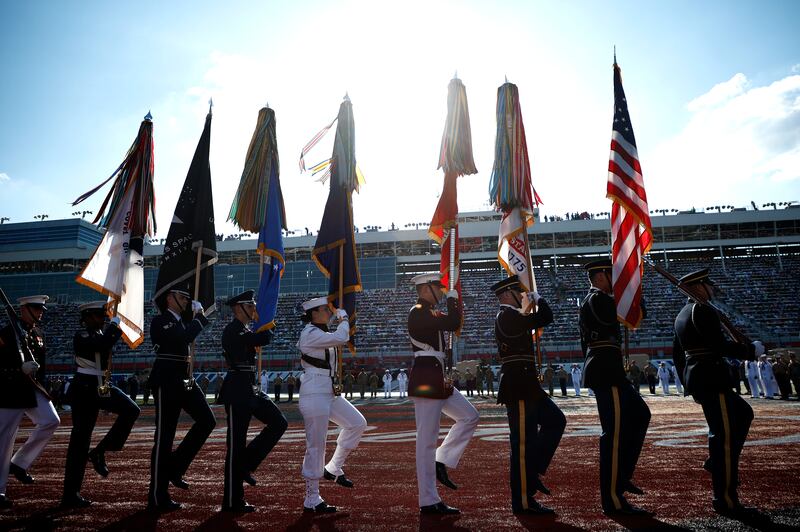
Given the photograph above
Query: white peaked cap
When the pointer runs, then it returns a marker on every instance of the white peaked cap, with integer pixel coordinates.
(316, 302)
(426, 278)
(33, 300)
(92, 305)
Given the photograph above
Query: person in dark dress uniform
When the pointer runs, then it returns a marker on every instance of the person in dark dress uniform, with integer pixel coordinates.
(432, 396)
(535, 423)
(21, 394)
(624, 416)
(172, 332)
(698, 352)
(243, 400)
(93, 348)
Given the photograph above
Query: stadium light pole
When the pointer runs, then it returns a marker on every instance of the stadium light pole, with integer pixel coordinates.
(41, 217)
(4, 219)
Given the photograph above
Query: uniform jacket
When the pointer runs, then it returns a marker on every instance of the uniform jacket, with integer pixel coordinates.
(17, 390)
(101, 341)
(600, 341)
(239, 345)
(172, 336)
(514, 336)
(317, 342)
(699, 349)
(426, 329)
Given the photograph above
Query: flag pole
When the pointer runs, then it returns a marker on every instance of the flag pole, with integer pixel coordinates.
(451, 286)
(531, 304)
(189, 383)
(340, 349)
(260, 275)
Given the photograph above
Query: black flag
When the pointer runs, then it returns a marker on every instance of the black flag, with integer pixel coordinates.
(192, 228)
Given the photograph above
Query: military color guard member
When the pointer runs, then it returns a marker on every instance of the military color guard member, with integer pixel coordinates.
(624, 416)
(93, 348)
(241, 402)
(21, 394)
(698, 354)
(172, 332)
(320, 403)
(432, 396)
(527, 405)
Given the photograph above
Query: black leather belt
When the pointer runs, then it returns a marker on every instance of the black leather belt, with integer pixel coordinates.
(699, 352)
(242, 368)
(171, 357)
(517, 358)
(596, 345)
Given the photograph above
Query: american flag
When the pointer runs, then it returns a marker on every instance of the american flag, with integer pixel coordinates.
(631, 232)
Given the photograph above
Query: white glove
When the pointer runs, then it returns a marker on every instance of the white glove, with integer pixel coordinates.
(29, 367)
(341, 313)
(759, 348)
(114, 321)
(197, 307)
(452, 294)
(534, 296)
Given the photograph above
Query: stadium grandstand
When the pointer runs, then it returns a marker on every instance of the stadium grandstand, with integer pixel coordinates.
(754, 256)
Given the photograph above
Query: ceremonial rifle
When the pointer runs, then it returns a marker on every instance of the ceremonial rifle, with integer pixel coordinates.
(23, 348)
(727, 324)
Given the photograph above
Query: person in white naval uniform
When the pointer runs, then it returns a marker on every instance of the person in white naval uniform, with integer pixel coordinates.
(751, 370)
(319, 404)
(387, 385)
(677, 378)
(432, 396)
(663, 377)
(576, 379)
(767, 377)
(402, 383)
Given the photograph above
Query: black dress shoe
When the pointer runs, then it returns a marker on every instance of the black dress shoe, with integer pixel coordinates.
(341, 479)
(537, 484)
(534, 508)
(630, 487)
(321, 508)
(240, 508)
(248, 477)
(74, 501)
(5, 502)
(20, 474)
(628, 510)
(179, 483)
(707, 464)
(98, 460)
(737, 512)
(439, 508)
(441, 476)
(167, 506)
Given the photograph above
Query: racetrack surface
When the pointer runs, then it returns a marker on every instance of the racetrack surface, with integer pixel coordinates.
(385, 494)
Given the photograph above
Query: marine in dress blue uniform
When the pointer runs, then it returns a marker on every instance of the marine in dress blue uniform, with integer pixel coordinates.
(243, 400)
(172, 332)
(624, 416)
(93, 348)
(535, 423)
(698, 352)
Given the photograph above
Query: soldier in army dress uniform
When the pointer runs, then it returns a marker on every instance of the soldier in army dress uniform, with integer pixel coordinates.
(242, 403)
(172, 332)
(21, 394)
(535, 423)
(320, 403)
(432, 396)
(700, 346)
(93, 347)
(624, 416)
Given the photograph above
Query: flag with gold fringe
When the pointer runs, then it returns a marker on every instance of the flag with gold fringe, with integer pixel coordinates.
(510, 188)
(455, 159)
(334, 252)
(116, 268)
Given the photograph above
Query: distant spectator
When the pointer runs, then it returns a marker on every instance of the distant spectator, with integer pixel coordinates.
(651, 374)
(373, 385)
(549, 375)
(362, 380)
(781, 371)
(349, 380)
(277, 384)
(145, 389)
(489, 374)
(794, 373)
(634, 375)
(562, 380)
(133, 387)
(663, 377)
(290, 382)
(470, 380)
(480, 375)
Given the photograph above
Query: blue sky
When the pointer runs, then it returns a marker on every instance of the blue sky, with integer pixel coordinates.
(713, 90)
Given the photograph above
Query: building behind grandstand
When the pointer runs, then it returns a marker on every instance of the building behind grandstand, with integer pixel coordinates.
(754, 256)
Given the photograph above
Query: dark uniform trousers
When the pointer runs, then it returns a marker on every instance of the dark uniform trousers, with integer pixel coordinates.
(171, 338)
(242, 457)
(536, 427)
(624, 418)
(86, 405)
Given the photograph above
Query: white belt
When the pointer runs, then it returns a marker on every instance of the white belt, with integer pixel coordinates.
(437, 354)
(91, 371)
(311, 370)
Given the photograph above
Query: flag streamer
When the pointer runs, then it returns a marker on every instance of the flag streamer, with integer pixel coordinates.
(631, 230)
(116, 268)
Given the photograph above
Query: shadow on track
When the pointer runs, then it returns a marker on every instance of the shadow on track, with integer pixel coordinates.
(639, 522)
(143, 520)
(321, 522)
(545, 522)
(440, 522)
(220, 521)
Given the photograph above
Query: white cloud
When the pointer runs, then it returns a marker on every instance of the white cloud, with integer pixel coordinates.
(796, 68)
(739, 140)
(4, 177)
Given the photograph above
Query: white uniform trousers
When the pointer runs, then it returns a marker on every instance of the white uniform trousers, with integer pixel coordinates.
(755, 388)
(387, 390)
(428, 414)
(678, 384)
(577, 387)
(403, 386)
(317, 410)
(45, 420)
(665, 386)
